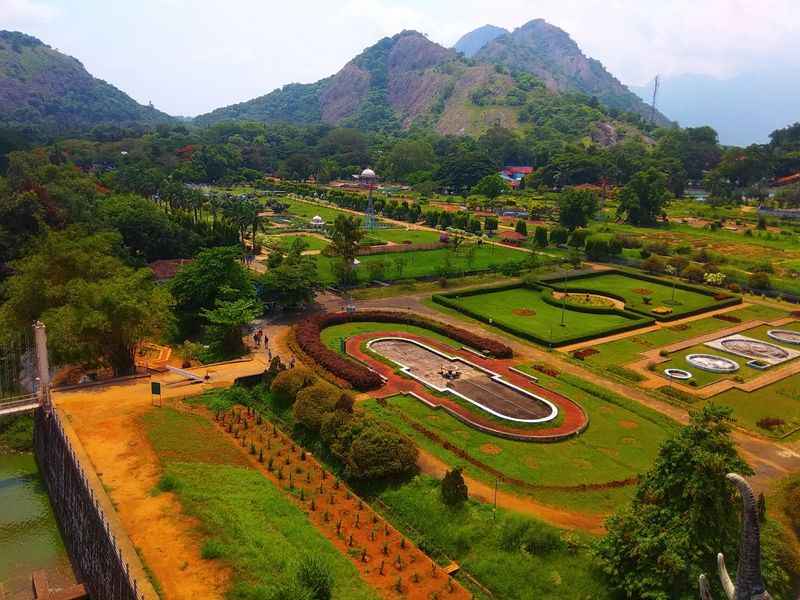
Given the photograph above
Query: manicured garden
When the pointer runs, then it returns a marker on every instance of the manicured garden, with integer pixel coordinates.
(311, 241)
(243, 518)
(332, 336)
(401, 236)
(531, 312)
(645, 295)
(620, 443)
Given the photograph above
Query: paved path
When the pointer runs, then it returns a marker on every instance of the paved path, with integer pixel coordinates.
(770, 460)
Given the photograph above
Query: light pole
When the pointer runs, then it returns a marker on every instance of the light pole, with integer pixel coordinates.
(672, 271)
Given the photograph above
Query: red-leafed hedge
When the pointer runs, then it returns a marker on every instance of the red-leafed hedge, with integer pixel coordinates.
(359, 376)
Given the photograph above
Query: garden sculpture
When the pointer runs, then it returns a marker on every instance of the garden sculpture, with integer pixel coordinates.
(749, 583)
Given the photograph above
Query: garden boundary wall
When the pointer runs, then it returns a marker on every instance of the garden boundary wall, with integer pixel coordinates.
(102, 555)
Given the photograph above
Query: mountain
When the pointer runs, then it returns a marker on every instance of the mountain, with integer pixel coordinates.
(409, 80)
(743, 109)
(470, 44)
(44, 89)
(552, 55)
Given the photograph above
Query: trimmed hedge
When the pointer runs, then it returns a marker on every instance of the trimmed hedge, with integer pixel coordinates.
(361, 377)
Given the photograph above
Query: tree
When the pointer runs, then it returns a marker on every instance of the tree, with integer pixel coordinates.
(223, 331)
(521, 227)
(540, 236)
(214, 275)
(345, 237)
(576, 208)
(653, 264)
(490, 186)
(683, 512)
(559, 235)
(454, 489)
(759, 281)
(490, 224)
(642, 201)
(292, 284)
(97, 309)
(313, 403)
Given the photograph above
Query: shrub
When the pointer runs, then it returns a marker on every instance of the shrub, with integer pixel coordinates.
(600, 247)
(578, 238)
(313, 403)
(558, 235)
(212, 548)
(540, 236)
(759, 281)
(679, 263)
(168, 483)
(625, 373)
(658, 247)
(287, 384)
(771, 423)
(379, 451)
(693, 273)
(454, 489)
(518, 533)
(315, 576)
(653, 265)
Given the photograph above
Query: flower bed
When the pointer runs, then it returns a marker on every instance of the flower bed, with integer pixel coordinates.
(359, 376)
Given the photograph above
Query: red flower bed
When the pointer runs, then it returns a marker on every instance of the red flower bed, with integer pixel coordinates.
(586, 352)
(546, 370)
(359, 376)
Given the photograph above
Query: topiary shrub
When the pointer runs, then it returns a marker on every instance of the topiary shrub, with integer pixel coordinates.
(693, 273)
(558, 235)
(379, 451)
(454, 488)
(287, 384)
(313, 403)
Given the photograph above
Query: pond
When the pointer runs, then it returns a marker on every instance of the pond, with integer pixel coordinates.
(29, 536)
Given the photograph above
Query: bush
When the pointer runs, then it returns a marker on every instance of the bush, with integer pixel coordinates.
(540, 236)
(212, 548)
(518, 533)
(679, 263)
(693, 273)
(379, 451)
(600, 247)
(759, 281)
(653, 265)
(454, 489)
(315, 576)
(313, 403)
(287, 384)
(578, 238)
(16, 433)
(558, 235)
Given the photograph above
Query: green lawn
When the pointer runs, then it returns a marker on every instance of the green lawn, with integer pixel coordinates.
(425, 263)
(313, 242)
(331, 336)
(516, 558)
(308, 211)
(634, 291)
(259, 532)
(621, 442)
(627, 350)
(508, 308)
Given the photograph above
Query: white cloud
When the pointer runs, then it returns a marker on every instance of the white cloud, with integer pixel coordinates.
(19, 13)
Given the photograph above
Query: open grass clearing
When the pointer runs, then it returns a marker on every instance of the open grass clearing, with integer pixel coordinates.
(312, 242)
(400, 236)
(244, 518)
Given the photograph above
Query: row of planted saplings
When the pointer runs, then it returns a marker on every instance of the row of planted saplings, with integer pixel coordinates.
(330, 502)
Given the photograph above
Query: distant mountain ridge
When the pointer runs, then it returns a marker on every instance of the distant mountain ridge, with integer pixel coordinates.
(43, 88)
(471, 43)
(409, 80)
(743, 109)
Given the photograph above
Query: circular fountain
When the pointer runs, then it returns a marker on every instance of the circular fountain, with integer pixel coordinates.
(713, 364)
(754, 349)
(679, 374)
(784, 335)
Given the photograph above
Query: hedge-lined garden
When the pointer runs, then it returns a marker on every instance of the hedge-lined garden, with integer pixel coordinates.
(308, 336)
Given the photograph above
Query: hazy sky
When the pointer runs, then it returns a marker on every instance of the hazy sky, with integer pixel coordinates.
(190, 56)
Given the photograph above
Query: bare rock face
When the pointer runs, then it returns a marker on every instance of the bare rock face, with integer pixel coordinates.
(342, 96)
(413, 52)
(605, 134)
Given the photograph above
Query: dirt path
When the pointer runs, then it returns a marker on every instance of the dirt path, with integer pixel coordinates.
(478, 490)
(106, 419)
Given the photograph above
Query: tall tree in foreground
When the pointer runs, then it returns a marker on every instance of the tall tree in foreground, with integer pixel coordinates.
(345, 237)
(576, 207)
(683, 512)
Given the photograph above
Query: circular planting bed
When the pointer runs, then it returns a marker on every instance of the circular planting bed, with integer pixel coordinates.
(712, 364)
(524, 312)
(679, 374)
(784, 335)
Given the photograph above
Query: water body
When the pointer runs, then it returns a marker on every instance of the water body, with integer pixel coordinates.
(29, 536)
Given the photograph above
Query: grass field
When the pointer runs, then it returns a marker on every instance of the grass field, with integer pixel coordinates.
(426, 263)
(634, 291)
(243, 517)
(312, 242)
(331, 336)
(514, 557)
(621, 442)
(398, 236)
(524, 309)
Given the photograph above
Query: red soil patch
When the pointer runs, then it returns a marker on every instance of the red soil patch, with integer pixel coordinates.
(491, 449)
(382, 555)
(524, 312)
(626, 424)
(643, 291)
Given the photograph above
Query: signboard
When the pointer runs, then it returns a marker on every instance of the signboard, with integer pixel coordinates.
(155, 388)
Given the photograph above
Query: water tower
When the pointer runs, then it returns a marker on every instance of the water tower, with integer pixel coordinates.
(369, 181)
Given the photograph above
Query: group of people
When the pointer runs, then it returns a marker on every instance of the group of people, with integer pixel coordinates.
(259, 337)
